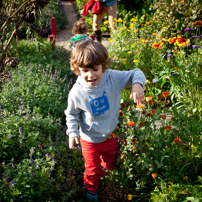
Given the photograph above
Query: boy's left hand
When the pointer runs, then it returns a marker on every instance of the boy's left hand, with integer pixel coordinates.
(137, 93)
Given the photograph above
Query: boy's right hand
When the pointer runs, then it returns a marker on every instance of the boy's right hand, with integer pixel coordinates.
(71, 142)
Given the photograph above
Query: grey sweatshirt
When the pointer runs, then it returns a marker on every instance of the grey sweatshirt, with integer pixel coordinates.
(93, 112)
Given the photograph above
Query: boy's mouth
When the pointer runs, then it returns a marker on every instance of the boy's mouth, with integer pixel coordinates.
(92, 81)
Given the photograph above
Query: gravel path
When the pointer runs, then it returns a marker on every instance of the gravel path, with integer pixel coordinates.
(63, 36)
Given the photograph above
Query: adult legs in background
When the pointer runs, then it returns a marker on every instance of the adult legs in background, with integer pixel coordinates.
(112, 13)
(97, 19)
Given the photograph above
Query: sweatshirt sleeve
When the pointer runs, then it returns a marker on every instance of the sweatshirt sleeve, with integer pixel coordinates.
(124, 79)
(72, 118)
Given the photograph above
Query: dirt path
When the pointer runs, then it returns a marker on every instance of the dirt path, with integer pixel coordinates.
(63, 36)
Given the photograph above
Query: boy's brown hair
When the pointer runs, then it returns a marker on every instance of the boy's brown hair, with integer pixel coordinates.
(89, 54)
(80, 27)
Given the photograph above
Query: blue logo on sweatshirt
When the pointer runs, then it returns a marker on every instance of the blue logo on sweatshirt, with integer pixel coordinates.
(99, 105)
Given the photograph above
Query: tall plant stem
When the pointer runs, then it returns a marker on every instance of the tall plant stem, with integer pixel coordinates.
(13, 15)
(9, 41)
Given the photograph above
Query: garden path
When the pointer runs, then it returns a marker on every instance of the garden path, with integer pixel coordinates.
(63, 36)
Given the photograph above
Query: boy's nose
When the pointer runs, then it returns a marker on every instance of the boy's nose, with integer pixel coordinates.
(90, 74)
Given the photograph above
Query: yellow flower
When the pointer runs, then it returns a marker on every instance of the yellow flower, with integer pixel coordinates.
(125, 27)
(163, 39)
(128, 30)
(106, 22)
(176, 69)
(118, 35)
(119, 20)
(136, 31)
(131, 25)
(129, 52)
(143, 16)
(140, 106)
(168, 102)
(132, 46)
(154, 34)
(120, 29)
(135, 60)
(124, 22)
(114, 19)
(109, 27)
(142, 29)
(178, 52)
(130, 197)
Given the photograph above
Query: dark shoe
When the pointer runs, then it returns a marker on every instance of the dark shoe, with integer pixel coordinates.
(98, 35)
(92, 196)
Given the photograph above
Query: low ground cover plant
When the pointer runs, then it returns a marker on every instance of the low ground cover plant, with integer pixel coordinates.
(36, 163)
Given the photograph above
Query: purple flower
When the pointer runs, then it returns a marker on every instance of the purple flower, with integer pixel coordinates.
(195, 46)
(3, 163)
(12, 183)
(20, 130)
(186, 29)
(188, 45)
(57, 138)
(195, 37)
(169, 55)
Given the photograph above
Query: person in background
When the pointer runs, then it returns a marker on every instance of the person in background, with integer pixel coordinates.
(109, 6)
(79, 30)
(93, 109)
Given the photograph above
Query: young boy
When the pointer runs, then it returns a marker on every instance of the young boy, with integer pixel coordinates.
(93, 109)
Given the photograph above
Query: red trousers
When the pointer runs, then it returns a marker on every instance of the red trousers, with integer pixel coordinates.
(98, 155)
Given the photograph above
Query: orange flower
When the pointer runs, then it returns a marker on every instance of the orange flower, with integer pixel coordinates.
(154, 175)
(133, 148)
(141, 124)
(163, 116)
(172, 118)
(112, 135)
(150, 102)
(165, 94)
(153, 111)
(197, 24)
(157, 45)
(177, 140)
(134, 140)
(160, 97)
(181, 42)
(148, 98)
(168, 128)
(172, 40)
(131, 123)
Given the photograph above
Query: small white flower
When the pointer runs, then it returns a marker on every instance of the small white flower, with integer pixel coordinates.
(155, 80)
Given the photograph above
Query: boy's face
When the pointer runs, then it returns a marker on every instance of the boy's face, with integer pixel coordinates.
(92, 75)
